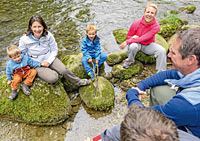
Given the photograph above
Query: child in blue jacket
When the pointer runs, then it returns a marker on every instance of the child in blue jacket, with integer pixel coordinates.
(18, 69)
(91, 48)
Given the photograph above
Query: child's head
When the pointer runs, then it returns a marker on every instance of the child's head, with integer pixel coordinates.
(142, 123)
(91, 31)
(14, 53)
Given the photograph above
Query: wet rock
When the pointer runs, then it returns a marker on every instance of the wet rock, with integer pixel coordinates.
(120, 35)
(73, 63)
(169, 26)
(104, 97)
(189, 9)
(48, 104)
(116, 58)
(119, 72)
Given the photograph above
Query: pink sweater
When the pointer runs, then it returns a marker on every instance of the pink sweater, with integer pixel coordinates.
(146, 32)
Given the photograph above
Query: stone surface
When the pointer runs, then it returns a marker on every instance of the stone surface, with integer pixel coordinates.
(48, 104)
(104, 97)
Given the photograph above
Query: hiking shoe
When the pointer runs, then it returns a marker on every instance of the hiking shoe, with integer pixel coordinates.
(92, 76)
(83, 82)
(13, 95)
(25, 89)
(126, 64)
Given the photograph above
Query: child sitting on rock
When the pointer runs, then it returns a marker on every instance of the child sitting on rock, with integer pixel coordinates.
(18, 69)
(91, 48)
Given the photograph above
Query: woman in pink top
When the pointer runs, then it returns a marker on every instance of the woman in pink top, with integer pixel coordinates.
(141, 37)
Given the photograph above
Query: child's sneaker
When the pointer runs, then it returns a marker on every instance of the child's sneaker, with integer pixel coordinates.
(13, 95)
(25, 89)
(92, 76)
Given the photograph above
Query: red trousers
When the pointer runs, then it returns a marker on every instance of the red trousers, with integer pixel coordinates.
(18, 78)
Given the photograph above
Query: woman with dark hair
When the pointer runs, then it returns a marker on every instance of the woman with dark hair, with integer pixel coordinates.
(40, 45)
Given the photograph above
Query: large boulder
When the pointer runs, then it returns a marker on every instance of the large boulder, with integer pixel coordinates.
(116, 58)
(121, 73)
(48, 104)
(73, 63)
(120, 35)
(98, 95)
(170, 25)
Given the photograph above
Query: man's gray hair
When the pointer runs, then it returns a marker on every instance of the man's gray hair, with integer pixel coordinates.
(190, 44)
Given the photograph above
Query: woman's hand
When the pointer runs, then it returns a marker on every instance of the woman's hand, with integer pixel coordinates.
(44, 64)
(135, 37)
(123, 45)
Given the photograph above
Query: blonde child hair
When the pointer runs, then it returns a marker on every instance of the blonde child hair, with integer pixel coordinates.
(13, 50)
(91, 27)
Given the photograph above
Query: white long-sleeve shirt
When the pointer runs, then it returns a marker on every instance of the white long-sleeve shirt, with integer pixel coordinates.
(44, 49)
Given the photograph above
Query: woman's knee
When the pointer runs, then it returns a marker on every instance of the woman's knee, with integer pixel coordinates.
(133, 46)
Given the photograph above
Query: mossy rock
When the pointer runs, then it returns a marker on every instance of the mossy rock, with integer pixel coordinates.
(190, 26)
(48, 104)
(175, 12)
(170, 25)
(120, 35)
(119, 72)
(104, 97)
(190, 9)
(161, 41)
(73, 63)
(116, 58)
(172, 38)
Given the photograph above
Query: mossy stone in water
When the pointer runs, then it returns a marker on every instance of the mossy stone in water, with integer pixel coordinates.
(120, 35)
(48, 104)
(116, 58)
(119, 72)
(104, 98)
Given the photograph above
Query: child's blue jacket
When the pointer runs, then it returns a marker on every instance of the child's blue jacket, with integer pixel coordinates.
(91, 49)
(12, 65)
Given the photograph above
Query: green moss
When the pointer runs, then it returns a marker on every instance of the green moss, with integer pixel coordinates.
(146, 59)
(191, 9)
(119, 72)
(170, 25)
(47, 104)
(120, 35)
(104, 98)
(116, 58)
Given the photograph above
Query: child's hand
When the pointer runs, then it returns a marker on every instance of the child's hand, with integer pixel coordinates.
(97, 61)
(9, 81)
(90, 60)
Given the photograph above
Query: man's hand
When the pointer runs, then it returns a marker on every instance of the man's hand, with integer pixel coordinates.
(9, 81)
(44, 64)
(123, 45)
(90, 60)
(140, 92)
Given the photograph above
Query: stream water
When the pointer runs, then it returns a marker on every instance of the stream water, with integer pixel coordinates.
(67, 20)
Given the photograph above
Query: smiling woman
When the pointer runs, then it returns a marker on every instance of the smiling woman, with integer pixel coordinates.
(40, 45)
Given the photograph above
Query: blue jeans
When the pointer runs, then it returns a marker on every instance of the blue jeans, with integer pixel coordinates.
(87, 67)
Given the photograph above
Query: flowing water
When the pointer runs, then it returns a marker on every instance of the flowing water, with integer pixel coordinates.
(67, 20)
